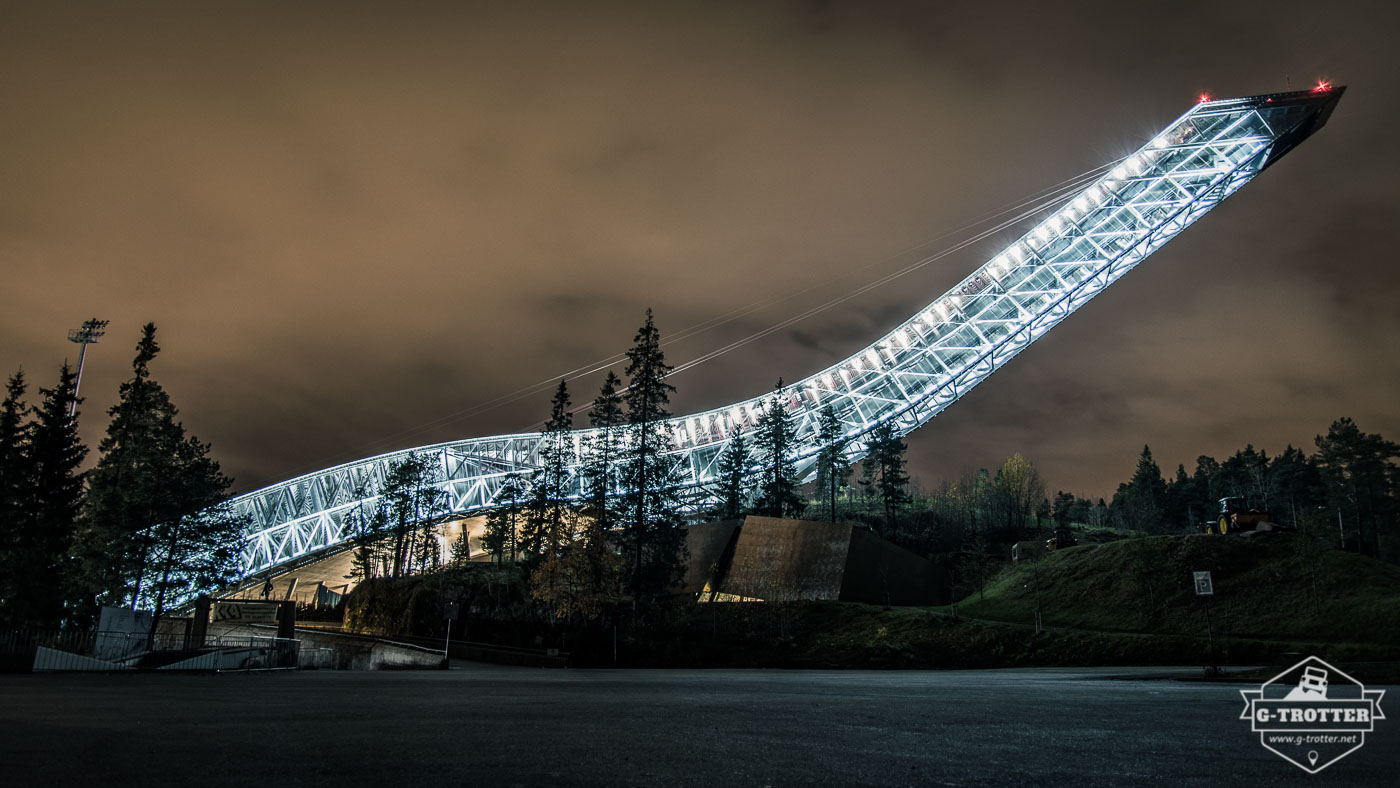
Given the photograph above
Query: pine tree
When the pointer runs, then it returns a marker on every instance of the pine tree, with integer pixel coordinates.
(1180, 497)
(1142, 500)
(732, 468)
(775, 439)
(1246, 474)
(1360, 478)
(884, 466)
(430, 511)
(199, 550)
(50, 504)
(365, 523)
(832, 469)
(604, 449)
(413, 500)
(547, 529)
(557, 457)
(1062, 509)
(14, 436)
(153, 524)
(502, 523)
(654, 537)
(1205, 489)
(1295, 486)
(596, 565)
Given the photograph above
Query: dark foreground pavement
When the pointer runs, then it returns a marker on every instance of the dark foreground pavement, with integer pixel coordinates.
(505, 726)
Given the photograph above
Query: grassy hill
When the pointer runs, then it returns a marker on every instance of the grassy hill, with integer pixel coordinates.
(1124, 602)
(1269, 586)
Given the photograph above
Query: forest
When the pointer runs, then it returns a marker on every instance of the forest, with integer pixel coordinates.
(148, 525)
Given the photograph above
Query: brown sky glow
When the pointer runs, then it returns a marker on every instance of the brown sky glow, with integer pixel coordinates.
(354, 222)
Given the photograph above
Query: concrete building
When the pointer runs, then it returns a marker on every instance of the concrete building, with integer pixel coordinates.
(770, 559)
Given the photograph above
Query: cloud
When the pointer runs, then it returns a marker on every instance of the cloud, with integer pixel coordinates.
(354, 222)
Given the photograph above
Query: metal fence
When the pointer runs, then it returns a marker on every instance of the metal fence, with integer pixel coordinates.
(67, 650)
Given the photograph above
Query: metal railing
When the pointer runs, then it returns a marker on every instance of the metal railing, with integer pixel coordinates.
(68, 650)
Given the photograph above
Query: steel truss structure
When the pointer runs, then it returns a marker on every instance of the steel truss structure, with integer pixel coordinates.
(906, 376)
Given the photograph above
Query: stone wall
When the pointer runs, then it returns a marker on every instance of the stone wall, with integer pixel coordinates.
(772, 559)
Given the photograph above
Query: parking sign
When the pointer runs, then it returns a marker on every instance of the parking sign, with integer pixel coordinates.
(1203, 585)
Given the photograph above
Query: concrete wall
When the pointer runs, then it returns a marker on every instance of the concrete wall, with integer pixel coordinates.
(772, 559)
(349, 652)
(708, 545)
(783, 560)
(883, 573)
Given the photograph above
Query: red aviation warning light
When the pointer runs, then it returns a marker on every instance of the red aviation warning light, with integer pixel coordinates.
(1322, 86)
(1204, 98)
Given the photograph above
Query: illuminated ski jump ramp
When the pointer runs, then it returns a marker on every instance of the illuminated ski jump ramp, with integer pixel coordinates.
(906, 376)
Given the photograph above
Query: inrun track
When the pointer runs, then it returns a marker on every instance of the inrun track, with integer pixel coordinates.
(907, 376)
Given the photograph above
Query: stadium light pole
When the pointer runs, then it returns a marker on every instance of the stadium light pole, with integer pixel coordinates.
(89, 333)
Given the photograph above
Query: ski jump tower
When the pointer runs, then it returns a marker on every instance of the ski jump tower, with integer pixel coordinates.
(906, 376)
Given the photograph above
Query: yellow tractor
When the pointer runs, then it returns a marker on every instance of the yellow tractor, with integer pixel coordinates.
(1236, 517)
(1063, 538)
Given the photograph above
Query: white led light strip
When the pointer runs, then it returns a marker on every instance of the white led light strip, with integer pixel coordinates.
(911, 373)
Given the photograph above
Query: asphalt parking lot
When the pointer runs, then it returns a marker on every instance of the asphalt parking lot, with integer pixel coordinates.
(485, 725)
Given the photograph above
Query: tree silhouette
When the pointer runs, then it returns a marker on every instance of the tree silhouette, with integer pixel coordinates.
(732, 468)
(775, 439)
(884, 471)
(654, 538)
(14, 433)
(832, 468)
(155, 527)
(44, 500)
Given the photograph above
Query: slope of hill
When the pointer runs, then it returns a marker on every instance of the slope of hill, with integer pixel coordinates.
(1268, 586)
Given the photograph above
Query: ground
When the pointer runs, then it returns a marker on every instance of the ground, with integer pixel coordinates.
(482, 725)
(1276, 586)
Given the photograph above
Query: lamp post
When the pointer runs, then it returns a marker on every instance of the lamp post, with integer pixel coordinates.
(91, 331)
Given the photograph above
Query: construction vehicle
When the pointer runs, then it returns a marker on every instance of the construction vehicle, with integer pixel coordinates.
(1064, 537)
(1237, 517)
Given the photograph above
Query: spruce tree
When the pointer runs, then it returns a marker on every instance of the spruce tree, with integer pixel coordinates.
(654, 538)
(1178, 502)
(1296, 486)
(598, 567)
(502, 523)
(832, 468)
(1142, 500)
(884, 467)
(198, 549)
(732, 469)
(14, 432)
(1205, 487)
(1360, 475)
(604, 449)
(546, 529)
(50, 504)
(1062, 509)
(777, 434)
(153, 525)
(127, 489)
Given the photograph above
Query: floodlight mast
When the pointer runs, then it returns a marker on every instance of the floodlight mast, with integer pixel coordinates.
(88, 334)
(904, 378)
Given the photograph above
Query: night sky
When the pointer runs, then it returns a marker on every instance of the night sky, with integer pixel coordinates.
(355, 223)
